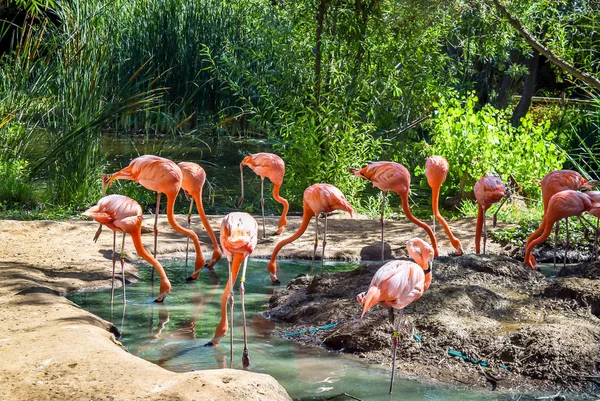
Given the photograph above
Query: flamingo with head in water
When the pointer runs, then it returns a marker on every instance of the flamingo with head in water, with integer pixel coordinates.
(163, 176)
(120, 213)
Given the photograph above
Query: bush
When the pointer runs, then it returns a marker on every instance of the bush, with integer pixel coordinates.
(15, 188)
(476, 142)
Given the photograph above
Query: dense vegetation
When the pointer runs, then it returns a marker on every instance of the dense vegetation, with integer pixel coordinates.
(329, 83)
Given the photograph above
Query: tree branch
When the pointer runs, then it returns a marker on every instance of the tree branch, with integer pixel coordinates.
(559, 62)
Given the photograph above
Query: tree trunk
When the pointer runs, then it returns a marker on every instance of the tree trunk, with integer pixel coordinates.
(553, 58)
(528, 90)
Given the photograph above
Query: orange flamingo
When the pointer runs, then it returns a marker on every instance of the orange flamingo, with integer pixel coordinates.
(120, 213)
(399, 283)
(238, 238)
(318, 199)
(488, 190)
(561, 205)
(163, 176)
(436, 169)
(391, 176)
(553, 183)
(194, 177)
(271, 166)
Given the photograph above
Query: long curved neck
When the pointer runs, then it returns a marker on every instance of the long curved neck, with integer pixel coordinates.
(306, 216)
(136, 237)
(435, 196)
(213, 238)
(199, 263)
(421, 257)
(409, 215)
(284, 202)
(242, 178)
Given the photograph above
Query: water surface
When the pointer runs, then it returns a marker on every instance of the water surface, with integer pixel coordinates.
(173, 335)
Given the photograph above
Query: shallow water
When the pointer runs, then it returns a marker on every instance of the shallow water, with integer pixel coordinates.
(173, 336)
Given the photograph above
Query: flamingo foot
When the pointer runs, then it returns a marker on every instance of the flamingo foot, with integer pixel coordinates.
(275, 282)
(161, 297)
(245, 359)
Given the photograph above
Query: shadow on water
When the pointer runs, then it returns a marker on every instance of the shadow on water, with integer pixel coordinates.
(173, 336)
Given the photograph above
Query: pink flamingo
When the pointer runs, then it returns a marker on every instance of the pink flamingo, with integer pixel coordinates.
(561, 205)
(391, 176)
(120, 213)
(488, 190)
(193, 180)
(271, 166)
(238, 238)
(163, 176)
(318, 199)
(553, 183)
(399, 283)
(436, 170)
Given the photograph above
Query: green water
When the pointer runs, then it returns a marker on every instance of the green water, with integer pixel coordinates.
(173, 336)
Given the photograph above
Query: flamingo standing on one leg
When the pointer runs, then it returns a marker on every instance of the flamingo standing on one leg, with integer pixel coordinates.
(488, 190)
(391, 176)
(318, 198)
(163, 176)
(436, 169)
(553, 183)
(194, 177)
(561, 205)
(238, 238)
(399, 283)
(120, 213)
(273, 167)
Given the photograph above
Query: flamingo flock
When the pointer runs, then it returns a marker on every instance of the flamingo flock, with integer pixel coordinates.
(395, 285)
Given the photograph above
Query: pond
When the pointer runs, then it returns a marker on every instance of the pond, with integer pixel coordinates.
(173, 336)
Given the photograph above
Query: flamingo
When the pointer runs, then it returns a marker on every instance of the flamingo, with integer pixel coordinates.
(397, 284)
(391, 176)
(163, 176)
(120, 213)
(562, 205)
(193, 180)
(318, 199)
(436, 169)
(273, 167)
(488, 190)
(238, 238)
(553, 183)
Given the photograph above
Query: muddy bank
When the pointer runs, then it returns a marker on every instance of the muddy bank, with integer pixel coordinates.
(515, 329)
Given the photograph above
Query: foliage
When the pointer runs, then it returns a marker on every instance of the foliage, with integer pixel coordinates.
(477, 142)
(16, 191)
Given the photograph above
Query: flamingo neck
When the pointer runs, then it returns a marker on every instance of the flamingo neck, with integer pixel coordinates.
(306, 216)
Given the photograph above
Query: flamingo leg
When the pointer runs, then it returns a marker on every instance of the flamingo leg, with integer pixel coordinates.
(122, 255)
(556, 230)
(245, 355)
(381, 220)
(484, 231)
(230, 315)
(155, 230)
(395, 345)
(316, 244)
(566, 242)
(114, 262)
(189, 223)
(262, 204)
(595, 227)
(324, 243)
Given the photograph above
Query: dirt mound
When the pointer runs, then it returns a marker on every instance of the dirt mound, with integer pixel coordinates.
(482, 317)
(585, 270)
